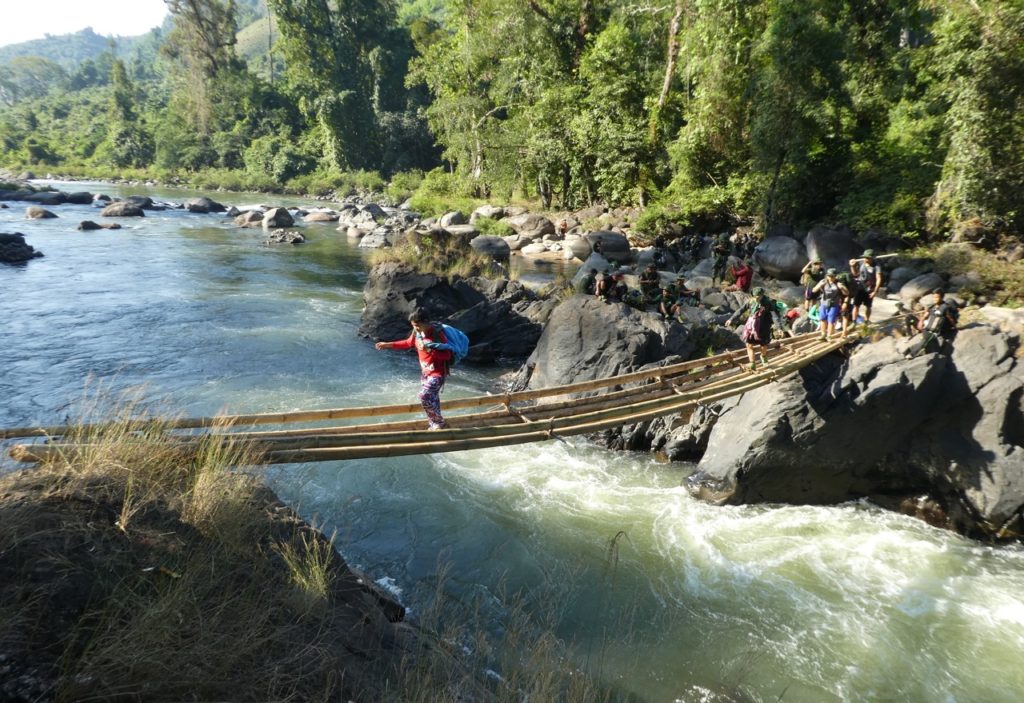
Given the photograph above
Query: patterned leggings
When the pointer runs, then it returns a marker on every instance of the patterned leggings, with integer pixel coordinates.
(430, 397)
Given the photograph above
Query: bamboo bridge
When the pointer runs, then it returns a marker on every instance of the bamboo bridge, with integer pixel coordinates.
(476, 422)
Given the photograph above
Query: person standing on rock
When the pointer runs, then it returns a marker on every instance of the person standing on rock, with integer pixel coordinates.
(810, 276)
(758, 328)
(831, 293)
(869, 279)
(719, 258)
(434, 363)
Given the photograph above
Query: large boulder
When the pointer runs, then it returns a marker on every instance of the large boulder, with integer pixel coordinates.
(833, 247)
(38, 213)
(881, 425)
(781, 257)
(90, 226)
(586, 339)
(47, 197)
(122, 208)
(80, 198)
(322, 216)
(276, 218)
(918, 287)
(611, 245)
(494, 247)
(14, 250)
(492, 212)
(502, 318)
(530, 222)
(250, 218)
(452, 218)
(203, 205)
(142, 201)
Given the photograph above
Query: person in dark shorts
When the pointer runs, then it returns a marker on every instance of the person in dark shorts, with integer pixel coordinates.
(868, 276)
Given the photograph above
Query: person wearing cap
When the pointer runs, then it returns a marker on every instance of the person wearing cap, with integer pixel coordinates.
(650, 283)
(831, 294)
(810, 276)
(758, 328)
(868, 277)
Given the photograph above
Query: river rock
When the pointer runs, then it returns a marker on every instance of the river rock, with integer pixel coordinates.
(122, 208)
(38, 213)
(101, 200)
(375, 212)
(14, 250)
(586, 338)
(250, 218)
(89, 225)
(916, 288)
(503, 319)
(232, 211)
(203, 205)
(27, 176)
(142, 201)
(277, 217)
(534, 248)
(47, 197)
(4, 206)
(285, 237)
(494, 247)
(80, 198)
(530, 222)
(879, 425)
(492, 212)
(900, 275)
(452, 218)
(834, 247)
(322, 216)
(612, 245)
(781, 257)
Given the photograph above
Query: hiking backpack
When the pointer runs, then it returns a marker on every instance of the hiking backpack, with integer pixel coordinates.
(458, 343)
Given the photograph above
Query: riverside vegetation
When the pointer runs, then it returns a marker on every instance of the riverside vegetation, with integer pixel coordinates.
(900, 117)
(138, 571)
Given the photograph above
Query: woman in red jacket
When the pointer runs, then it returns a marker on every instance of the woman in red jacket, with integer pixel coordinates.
(433, 363)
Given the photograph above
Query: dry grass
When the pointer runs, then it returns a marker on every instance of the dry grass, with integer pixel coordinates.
(139, 570)
(439, 255)
(998, 280)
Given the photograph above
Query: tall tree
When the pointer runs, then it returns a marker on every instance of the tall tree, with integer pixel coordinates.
(327, 48)
(202, 44)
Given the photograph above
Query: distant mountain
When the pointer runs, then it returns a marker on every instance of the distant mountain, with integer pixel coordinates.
(71, 50)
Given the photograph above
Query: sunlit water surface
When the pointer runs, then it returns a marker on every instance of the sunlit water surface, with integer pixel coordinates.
(663, 598)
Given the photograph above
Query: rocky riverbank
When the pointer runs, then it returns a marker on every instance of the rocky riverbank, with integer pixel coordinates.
(934, 435)
(181, 586)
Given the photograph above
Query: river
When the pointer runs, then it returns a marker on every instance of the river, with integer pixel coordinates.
(663, 598)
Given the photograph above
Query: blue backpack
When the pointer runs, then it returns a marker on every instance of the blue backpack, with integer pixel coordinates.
(458, 343)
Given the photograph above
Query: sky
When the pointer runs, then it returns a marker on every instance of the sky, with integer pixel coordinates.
(21, 21)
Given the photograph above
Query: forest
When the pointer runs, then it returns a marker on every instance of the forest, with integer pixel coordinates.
(900, 116)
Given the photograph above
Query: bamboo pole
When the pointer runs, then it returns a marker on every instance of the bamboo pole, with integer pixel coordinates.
(386, 410)
(457, 440)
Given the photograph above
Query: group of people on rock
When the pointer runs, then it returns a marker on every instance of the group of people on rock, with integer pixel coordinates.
(838, 299)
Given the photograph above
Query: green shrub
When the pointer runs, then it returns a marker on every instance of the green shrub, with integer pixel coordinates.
(493, 228)
(442, 192)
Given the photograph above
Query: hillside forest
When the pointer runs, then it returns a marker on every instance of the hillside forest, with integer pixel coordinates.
(900, 116)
